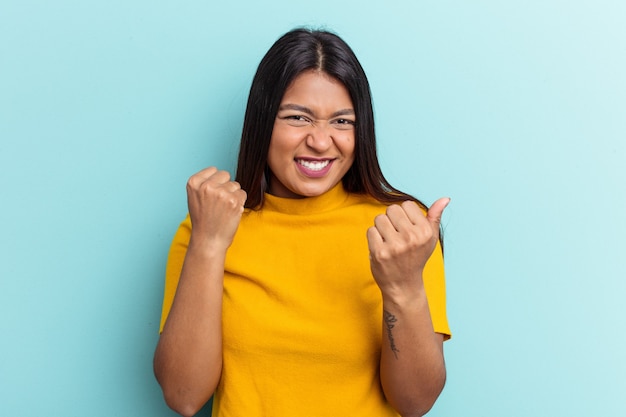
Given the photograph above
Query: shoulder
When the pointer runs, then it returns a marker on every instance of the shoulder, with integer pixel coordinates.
(366, 200)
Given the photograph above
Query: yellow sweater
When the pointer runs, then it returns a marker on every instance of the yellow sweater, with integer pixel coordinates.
(302, 314)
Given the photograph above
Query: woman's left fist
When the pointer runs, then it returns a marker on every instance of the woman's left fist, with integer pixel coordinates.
(401, 242)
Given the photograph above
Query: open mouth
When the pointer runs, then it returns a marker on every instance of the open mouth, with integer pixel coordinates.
(313, 165)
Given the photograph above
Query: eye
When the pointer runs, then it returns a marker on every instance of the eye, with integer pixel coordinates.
(344, 124)
(296, 119)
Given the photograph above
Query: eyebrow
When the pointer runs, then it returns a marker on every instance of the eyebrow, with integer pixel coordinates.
(304, 109)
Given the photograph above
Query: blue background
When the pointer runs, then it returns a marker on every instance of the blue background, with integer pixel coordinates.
(514, 109)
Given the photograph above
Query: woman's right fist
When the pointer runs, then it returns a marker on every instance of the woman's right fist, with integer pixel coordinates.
(215, 206)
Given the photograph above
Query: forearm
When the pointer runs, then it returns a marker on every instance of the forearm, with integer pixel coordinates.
(188, 358)
(412, 366)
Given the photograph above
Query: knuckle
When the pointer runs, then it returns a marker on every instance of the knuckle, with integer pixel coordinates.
(392, 209)
(419, 237)
(381, 255)
(209, 171)
(232, 203)
(223, 175)
(427, 232)
(379, 218)
(409, 205)
(412, 240)
(191, 181)
(206, 188)
(231, 200)
(243, 196)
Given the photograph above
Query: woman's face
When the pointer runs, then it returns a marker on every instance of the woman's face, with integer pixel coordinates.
(312, 144)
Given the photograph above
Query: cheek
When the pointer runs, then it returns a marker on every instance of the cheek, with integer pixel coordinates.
(284, 142)
(352, 151)
(272, 156)
(278, 152)
(348, 146)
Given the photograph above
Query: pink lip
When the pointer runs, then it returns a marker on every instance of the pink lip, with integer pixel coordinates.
(314, 173)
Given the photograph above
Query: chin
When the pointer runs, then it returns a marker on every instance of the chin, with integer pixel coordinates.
(311, 192)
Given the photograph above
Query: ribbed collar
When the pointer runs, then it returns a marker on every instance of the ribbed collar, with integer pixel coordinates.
(330, 200)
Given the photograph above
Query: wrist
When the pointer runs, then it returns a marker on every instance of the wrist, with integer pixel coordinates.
(403, 296)
(207, 247)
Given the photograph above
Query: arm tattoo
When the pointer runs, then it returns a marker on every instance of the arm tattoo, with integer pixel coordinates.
(390, 321)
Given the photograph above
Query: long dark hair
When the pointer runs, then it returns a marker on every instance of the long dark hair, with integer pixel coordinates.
(295, 52)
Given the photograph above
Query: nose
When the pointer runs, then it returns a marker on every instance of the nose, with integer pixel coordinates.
(319, 138)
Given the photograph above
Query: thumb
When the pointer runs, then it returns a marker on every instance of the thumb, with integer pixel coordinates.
(435, 211)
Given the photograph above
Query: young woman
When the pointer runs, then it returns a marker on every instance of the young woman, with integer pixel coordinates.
(309, 286)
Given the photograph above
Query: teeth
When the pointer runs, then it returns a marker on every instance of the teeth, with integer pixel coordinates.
(314, 165)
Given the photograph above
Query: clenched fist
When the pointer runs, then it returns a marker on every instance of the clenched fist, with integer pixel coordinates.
(401, 242)
(215, 206)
